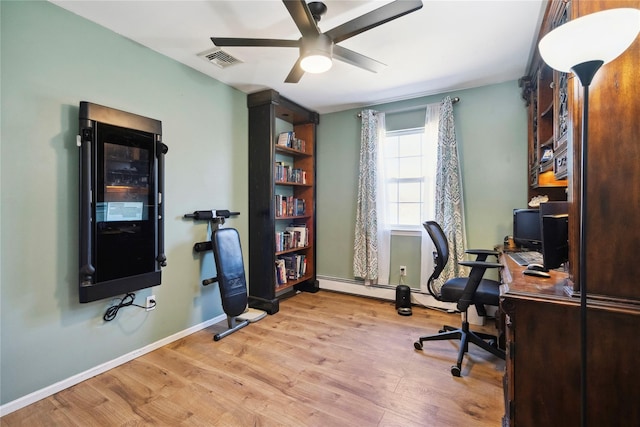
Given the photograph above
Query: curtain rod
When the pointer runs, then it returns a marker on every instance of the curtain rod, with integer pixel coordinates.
(415, 107)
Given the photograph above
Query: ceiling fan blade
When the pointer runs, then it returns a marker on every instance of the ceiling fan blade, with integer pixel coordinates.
(230, 41)
(354, 58)
(372, 19)
(296, 73)
(301, 15)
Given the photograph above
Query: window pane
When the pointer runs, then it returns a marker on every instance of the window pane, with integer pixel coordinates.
(409, 213)
(411, 145)
(409, 192)
(391, 168)
(391, 146)
(409, 167)
(405, 176)
(392, 191)
(393, 213)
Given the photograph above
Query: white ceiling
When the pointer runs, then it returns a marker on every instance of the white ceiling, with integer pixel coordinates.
(445, 46)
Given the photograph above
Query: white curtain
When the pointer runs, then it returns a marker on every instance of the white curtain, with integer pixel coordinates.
(449, 209)
(429, 167)
(372, 241)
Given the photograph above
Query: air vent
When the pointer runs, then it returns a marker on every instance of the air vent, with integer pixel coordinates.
(219, 57)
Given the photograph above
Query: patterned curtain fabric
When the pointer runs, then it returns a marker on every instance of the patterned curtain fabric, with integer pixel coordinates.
(449, 200)
(365, 259)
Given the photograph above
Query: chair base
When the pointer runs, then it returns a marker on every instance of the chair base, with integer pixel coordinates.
(465, 335)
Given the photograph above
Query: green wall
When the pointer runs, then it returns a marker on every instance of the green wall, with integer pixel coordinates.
(491, 128)
(52, 60)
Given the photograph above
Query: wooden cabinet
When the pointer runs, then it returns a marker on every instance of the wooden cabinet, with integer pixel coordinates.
(545, 91)
(270, 115)
(613, 207)
(613, 223)
(542, 379)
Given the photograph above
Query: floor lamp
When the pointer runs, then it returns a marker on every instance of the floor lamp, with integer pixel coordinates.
(582, 46)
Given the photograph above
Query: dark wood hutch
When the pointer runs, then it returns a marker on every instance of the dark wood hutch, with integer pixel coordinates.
(542, 382)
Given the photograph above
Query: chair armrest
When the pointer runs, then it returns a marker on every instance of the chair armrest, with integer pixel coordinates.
(481, 264)
(482, 252)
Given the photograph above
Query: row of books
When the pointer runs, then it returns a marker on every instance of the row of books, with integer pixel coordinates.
(285, 173)
(289, 206)
(290, 267)
(294, 236)
(289, 140)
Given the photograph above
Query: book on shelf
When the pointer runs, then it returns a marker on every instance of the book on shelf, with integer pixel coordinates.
(281, 272)
(286, 173)
(289, 140)
(294, 267)
(299, 235)
(284, 139)
(294, 236)
(289, 206)
(298, 144)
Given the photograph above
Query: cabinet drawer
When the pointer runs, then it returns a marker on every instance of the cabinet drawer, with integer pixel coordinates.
(560, 164)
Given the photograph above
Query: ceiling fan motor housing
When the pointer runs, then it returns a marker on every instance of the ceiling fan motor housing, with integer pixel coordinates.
(317, 9)
(321, 45)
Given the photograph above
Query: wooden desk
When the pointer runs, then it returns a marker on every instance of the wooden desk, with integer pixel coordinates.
(514, 281)
(542, 378)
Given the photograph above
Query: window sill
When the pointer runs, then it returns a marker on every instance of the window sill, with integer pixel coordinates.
(412, 232)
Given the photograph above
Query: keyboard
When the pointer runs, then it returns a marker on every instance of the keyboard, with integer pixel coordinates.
(526, 258)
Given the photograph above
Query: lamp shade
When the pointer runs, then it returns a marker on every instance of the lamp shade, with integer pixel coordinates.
(600, 36)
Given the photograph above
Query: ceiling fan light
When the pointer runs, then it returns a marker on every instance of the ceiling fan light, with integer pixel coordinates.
(316, 63)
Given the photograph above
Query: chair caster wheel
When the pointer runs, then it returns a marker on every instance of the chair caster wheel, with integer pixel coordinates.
(455, 371)
(442, 331)
(417, 345)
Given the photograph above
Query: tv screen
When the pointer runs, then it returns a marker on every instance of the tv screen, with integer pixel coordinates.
(526, 228)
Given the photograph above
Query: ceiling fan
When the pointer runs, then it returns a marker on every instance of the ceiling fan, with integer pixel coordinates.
(317, 48)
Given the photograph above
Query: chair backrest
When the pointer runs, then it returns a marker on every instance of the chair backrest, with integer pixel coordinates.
(441, 256)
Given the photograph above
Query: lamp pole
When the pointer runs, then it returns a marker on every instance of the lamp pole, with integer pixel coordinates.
(585, 73)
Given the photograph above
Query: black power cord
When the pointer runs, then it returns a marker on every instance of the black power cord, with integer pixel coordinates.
(126, 301)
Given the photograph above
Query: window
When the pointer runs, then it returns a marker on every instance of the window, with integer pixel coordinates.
(409, 164)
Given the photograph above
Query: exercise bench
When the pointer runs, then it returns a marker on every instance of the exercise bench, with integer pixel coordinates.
(227, 252)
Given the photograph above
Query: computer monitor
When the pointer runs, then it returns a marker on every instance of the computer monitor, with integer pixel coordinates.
(554, 223)
(527, 228)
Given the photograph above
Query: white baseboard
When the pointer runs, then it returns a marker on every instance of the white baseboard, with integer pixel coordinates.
(356, 287)
(96, 370)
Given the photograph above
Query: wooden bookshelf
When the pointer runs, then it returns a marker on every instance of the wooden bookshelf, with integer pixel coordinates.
(266, 109)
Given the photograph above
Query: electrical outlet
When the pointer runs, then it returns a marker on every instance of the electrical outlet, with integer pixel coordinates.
(403, 270)
(151, 302)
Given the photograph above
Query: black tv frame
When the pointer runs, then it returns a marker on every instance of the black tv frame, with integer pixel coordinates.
(93, 117)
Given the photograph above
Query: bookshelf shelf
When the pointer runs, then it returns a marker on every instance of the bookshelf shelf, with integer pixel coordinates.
(292, 283)
(298, 184)
(292, 250)
(281, 179)
(292, 152)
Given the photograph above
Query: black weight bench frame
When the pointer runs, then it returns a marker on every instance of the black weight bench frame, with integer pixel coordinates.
(227, 252)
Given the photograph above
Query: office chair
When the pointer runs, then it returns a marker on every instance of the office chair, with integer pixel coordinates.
(465, 291)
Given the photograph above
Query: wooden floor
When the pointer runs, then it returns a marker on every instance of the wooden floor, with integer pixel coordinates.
(326, 359)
